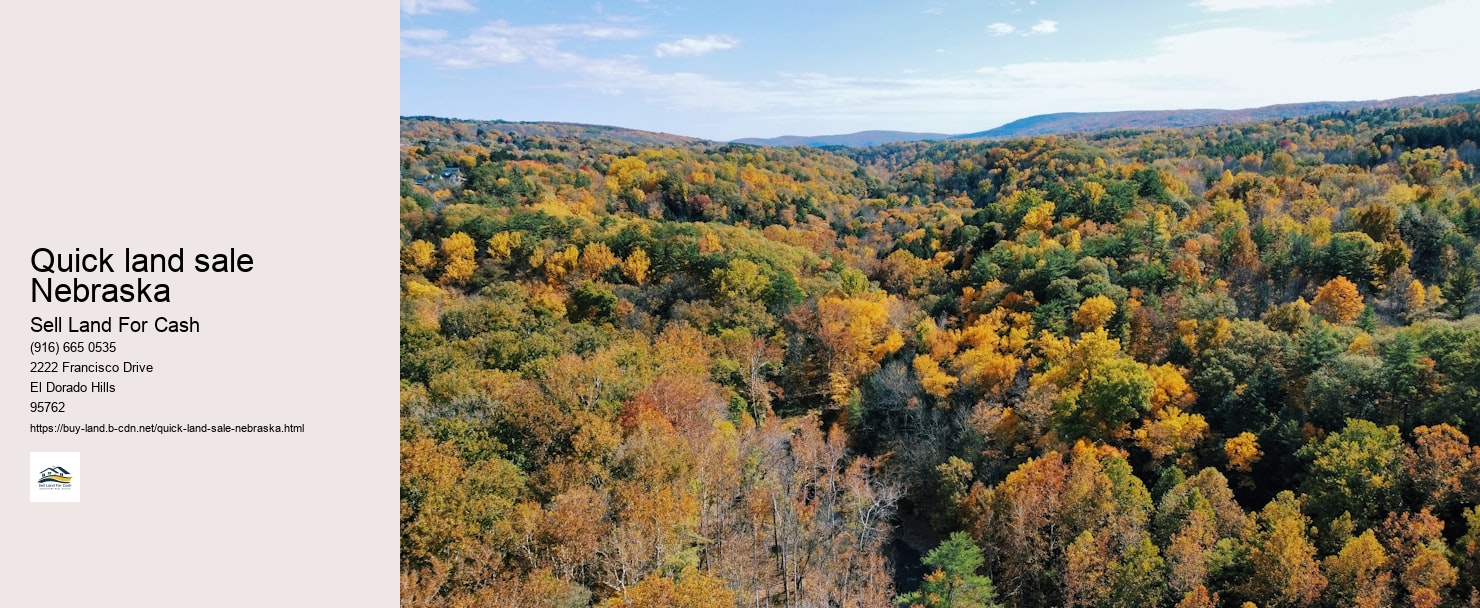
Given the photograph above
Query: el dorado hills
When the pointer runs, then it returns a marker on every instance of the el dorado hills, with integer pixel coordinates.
(44, 260)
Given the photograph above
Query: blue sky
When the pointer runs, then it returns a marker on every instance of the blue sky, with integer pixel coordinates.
(725, 70)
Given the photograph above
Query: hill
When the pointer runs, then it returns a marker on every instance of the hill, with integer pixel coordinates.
(859, 139)
(471, 130)
(1087, 122)
(1083, 122)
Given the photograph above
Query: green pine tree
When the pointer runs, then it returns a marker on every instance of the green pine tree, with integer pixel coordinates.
(954, 582)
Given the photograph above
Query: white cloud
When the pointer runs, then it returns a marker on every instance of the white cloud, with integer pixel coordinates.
(1000, 29)
(693, 47)
(501, 43)
(1240, 5)
(1042, 28)
(424, 35)
(422, 7)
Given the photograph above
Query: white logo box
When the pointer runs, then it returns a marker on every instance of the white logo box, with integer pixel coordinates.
(54, 463)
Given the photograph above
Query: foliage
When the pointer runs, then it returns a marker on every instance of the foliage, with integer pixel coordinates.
(650, 370)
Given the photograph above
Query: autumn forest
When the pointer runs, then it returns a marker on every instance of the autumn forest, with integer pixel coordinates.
(1220, 366)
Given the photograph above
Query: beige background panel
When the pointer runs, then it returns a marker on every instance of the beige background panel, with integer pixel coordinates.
(265, 126)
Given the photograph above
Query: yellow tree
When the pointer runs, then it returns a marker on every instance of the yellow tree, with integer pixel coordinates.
(1285, 570)
(1039, 217)
(1171, 432)
(932, 378)
(693, 589)
(458, 251)
(709, 243)
(1359, 574)
(994, 349)
(559, 263)
(1094, 312)
(502, 245)
(1171, 389)
(418, 256)
(1242, 451)
(858, 336)
(1338, 301)
(1414, 298)
(596, 258)
(635, 267)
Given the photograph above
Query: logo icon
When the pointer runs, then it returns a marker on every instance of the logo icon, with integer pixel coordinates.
(55, 475)
(60, 476)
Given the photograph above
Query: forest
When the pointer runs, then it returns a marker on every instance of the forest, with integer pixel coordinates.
(1220, 366)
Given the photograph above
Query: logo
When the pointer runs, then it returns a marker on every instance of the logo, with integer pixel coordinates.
(56, 475)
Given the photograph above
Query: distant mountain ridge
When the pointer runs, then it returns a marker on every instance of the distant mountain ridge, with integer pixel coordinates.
(560, 129)
(859, 139)
(1084, 122)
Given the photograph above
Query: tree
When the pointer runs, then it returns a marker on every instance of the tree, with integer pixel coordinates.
(1467, 549)
(954, 582)
(1087, 498)
(1443, 466)
(1367, 319)
(457, 258)
(1358, 470)
(1285, 571)
(418, 256)
(560, 263)
(1171, 432)
(1414, 299)
(1338, 301)
(1187, 549)
(1198, 598)
(501, 246)
(932, 378)
(742, 280)
(1359, 574)
(1099, 389)
(1415, 541)
(635, 267)
(856, 333)
(1459, 289)
(1116, 393)
(593, 300)
(1093, 312)
(1289, 318)
(755, 359)
(693, 589)
(1171, 389)
(596, 259)
(1242, 451)
(1379, 221)
(1136, 576)
(1351, 255)
(993, 354)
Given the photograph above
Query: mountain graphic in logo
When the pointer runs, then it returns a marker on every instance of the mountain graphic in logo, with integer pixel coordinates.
(55, 475)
